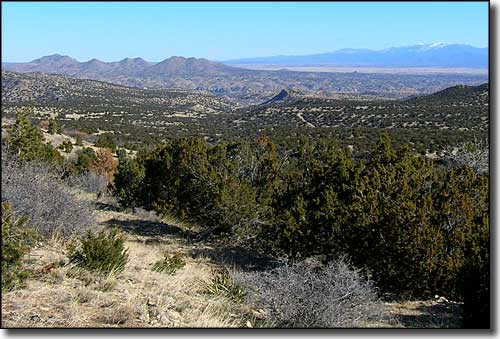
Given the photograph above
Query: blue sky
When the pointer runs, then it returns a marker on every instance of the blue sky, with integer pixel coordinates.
(221, 31)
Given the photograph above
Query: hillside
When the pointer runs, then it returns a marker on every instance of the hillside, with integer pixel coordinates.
(90, 105)
(243, 85)
(459, 107)
(140, 297)
(460, 93)
(213, 285)
(136, 115)
(41, 88)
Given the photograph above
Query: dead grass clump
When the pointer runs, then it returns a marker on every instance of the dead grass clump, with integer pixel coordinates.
(106, 284)
(218, 313)
(54, 276)
(83, 295)
(116, 315)
(83, 275)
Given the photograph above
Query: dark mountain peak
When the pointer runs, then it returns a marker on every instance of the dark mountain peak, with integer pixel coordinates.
(94, 65)
(94, 61)
(133, 61)
(177, 65)
(283, 96)
(137, 59)
(55, 58)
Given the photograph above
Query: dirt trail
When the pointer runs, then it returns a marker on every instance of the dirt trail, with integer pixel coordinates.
(299, 115)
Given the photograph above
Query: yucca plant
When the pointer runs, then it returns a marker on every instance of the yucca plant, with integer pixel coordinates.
(222, 284)
(169, 264)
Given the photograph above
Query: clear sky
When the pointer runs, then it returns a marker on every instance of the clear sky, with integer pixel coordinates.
(221, 31)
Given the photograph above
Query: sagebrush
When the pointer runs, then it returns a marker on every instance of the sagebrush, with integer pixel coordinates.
(36, 191)
(309, 295)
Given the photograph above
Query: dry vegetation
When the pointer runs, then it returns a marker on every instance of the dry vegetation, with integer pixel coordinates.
(213, 284)
(58, 295)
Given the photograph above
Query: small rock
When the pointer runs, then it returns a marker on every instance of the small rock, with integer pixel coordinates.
(35, 318)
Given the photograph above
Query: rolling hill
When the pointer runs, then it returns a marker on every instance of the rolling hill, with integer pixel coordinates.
(137, 115)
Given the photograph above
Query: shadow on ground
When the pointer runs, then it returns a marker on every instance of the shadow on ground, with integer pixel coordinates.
(238, 257)
(105, 206)
(151, 228)
(439, 315)
(216, 249)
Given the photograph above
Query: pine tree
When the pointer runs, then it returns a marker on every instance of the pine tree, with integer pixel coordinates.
(26, 140)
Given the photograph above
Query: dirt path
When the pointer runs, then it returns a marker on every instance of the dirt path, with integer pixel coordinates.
(299, 115)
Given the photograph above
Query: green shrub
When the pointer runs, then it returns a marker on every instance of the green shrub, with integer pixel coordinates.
(85, 160)
(52, 126)
(400, 216)
(128, 181)
(66, 146)
(411, 223)
(169, 264)
(222, 283)
(17, 241)
(78, 140)
(106, 141)
(26, 140)
(103, 252)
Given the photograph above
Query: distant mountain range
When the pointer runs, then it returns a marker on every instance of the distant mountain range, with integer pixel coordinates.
(246, 86)
(61, 64)
(422, 55)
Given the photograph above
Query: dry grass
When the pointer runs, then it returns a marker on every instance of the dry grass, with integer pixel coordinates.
(57, 295)
(60, 296)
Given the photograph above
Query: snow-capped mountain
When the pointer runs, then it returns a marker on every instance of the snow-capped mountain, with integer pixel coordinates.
(437, 54)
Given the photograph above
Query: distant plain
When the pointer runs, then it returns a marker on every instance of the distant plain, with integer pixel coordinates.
(361, 69)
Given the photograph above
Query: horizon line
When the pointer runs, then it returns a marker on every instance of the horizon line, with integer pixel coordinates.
(251, 57)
